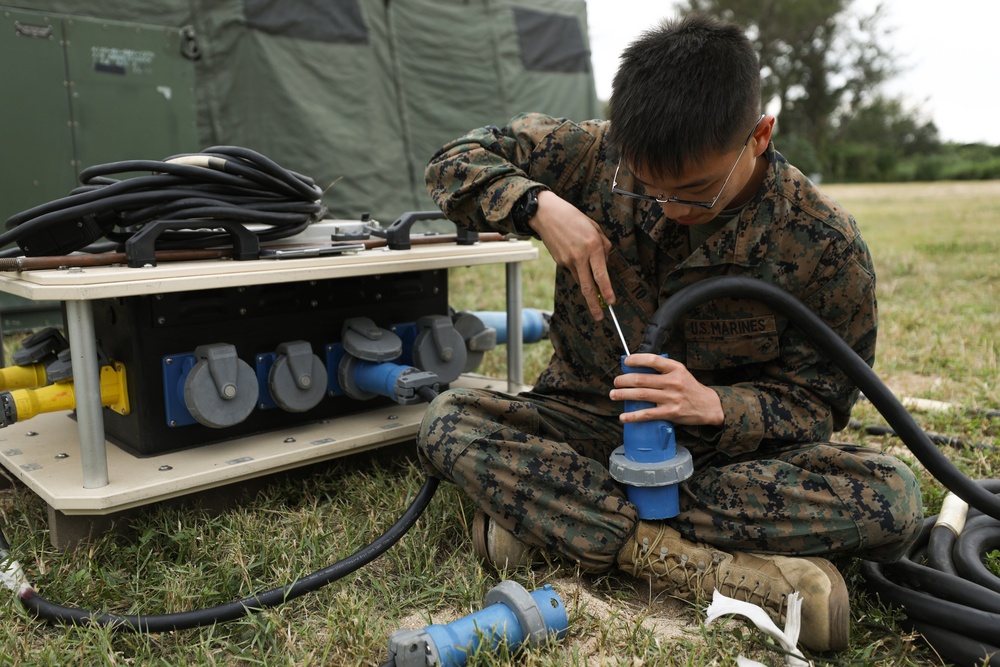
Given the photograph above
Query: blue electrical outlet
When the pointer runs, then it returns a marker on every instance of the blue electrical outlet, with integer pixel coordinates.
(334, 353)
(176, 368)
(264, 362)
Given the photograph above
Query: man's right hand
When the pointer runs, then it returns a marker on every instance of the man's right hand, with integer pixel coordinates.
(576, 243)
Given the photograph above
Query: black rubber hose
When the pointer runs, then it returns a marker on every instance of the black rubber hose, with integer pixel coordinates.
(234, 183)
(939, 548)
(73, 207)
(958, 617)
(305, 185)
(52, 612)
(840, 353)
(82, 197)
(957, 648)
(938, 586)
(427, 393)
(968, 554)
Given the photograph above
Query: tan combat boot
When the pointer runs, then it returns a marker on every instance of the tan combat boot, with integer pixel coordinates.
(658, 553)
(497, 546)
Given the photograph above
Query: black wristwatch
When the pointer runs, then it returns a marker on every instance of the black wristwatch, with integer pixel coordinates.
(524, 210)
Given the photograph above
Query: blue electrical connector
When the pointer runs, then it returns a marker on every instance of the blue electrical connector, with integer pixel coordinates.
(511, 614)
(650, 463)
(534, 324)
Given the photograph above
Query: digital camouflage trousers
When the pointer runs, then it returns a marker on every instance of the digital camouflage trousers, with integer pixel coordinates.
(538, 467)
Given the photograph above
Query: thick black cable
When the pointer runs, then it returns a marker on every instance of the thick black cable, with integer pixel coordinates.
(968, 554)
(957, 648)
(163, 209)
(958, 617)
(838, 352)
(939, 547)
(52, 612)
(82, 197)
(304, 184)
(427, 393)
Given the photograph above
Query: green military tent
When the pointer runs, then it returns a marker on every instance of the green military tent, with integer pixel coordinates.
(357, 94)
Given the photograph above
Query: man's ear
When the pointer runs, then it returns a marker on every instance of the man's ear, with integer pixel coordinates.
(762, 136)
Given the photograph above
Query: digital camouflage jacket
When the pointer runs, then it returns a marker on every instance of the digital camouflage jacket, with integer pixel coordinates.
(775, 386)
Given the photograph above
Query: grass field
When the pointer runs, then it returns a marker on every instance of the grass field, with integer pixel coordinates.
(936, 251)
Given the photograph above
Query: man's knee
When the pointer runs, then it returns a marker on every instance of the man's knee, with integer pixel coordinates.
(897, 510)
(439, 431)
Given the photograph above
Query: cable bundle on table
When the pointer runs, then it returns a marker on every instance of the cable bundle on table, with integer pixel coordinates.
(222, 183)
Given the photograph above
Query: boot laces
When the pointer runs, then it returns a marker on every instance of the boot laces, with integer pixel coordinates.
(680, 569)
(688, 575)
(754, 591)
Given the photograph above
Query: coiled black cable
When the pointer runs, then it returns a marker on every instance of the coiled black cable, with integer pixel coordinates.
(952, 599)
(959, 617)
(222, 183)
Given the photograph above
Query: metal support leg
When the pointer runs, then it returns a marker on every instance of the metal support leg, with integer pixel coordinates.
(87, 389)
(515, 334)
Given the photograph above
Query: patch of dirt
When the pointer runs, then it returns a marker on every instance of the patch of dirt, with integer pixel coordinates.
(915, 385)
(421, 619)
(666, 617)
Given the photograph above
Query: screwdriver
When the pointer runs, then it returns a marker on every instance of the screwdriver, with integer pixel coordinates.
(605, 304)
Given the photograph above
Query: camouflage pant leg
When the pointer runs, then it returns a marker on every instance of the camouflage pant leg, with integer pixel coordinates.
(536, 467)
(811, 500)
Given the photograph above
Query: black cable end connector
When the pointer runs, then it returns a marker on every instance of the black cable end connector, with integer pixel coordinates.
(8, 409)
(65, 237)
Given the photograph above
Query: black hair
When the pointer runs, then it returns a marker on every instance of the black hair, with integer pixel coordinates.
(685, 90)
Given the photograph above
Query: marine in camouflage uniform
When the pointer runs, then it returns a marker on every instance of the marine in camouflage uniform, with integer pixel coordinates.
(752, 399)
(768, 480)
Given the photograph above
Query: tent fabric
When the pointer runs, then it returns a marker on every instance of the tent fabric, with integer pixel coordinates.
(358, 94)
(321, 21)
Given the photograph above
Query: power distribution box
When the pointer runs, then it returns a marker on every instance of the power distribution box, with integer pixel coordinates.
(144, 332)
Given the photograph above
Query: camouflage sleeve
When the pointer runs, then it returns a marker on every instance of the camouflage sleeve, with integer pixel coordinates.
(477, 178)
(801, 396)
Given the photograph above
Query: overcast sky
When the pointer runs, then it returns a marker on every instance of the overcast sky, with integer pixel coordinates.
(950, 50)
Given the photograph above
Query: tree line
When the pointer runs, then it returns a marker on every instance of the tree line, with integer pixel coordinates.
(825, 66)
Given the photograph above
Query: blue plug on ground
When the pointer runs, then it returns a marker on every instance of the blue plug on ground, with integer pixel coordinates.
(511, 614)
(649, 463)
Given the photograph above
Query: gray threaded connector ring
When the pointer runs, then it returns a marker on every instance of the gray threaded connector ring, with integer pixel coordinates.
(642, 474)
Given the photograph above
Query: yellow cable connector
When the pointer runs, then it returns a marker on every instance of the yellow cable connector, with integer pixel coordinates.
(23, 377)
(22, 404)
(114, 390)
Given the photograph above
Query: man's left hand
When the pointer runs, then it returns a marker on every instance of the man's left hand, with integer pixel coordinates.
(677, 396)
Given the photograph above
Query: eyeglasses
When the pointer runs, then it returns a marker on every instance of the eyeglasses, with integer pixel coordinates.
(685, 202)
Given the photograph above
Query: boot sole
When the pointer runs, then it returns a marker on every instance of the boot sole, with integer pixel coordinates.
(480, 529)
(840, 606)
